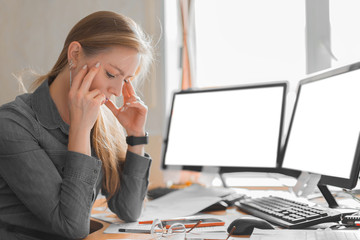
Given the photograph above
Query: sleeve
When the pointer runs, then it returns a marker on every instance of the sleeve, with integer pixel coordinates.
(62, 203)
(128, 201)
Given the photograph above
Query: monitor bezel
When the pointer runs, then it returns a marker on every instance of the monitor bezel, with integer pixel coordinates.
(348, 183)
(227, 169)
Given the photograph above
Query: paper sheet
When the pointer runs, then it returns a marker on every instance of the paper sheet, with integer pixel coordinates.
(230, 215)
(114, 228)
(146, 228)
(184, 202)
(181, 203)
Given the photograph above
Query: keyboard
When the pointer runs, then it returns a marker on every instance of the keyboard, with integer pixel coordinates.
(287, 213)
(159, 192)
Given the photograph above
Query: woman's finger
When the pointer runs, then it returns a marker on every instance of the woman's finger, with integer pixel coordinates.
(137, 99)
(129, 88)
(136, 104)
(76, 81)
(94, 93)
(125, 92)
(100, 99)
(130, 97)
(86, 83)
(112, 107)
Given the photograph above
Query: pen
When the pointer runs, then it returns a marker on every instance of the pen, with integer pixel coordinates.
(169, 220)
(194, 226)
(133, 230)
(146, 222)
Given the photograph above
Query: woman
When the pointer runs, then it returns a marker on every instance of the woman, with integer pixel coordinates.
(64, 142)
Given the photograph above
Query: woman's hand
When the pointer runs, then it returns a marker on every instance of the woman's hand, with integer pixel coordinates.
(84, 105)
(84, 108)
(132, 115)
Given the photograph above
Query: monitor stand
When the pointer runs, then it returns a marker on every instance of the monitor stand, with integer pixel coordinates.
(306, 184)
(223, 181)
(328, 196)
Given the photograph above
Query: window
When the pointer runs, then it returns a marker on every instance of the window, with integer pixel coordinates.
(345, 33)
(259, 40)
(248, 41)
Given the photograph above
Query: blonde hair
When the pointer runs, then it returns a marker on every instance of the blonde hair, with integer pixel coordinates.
(96, 33)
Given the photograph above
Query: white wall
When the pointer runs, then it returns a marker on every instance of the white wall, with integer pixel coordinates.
(32, 33)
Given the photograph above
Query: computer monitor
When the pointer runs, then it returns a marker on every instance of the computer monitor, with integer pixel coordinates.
(323, 135)
(233, 129)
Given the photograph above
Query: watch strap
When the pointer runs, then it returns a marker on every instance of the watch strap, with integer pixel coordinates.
(132, 140)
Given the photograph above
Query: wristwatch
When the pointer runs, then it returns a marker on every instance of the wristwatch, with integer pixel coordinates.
(132, 140)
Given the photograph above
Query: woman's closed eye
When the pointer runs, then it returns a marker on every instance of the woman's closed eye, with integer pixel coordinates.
(109, 75)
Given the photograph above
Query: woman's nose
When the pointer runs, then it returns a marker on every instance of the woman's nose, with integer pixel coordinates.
(115, 91)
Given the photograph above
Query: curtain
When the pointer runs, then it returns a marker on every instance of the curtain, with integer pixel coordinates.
(186, 9)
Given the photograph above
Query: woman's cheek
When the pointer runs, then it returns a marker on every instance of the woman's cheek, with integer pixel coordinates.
(97, 84)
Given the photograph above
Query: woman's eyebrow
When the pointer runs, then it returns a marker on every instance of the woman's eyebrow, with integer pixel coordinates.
(121, 71)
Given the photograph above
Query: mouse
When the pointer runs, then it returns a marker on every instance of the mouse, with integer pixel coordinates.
(246, 224)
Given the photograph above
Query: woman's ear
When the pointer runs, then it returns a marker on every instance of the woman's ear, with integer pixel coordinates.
(74, 53)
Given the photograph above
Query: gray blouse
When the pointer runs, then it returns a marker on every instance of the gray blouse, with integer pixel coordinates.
(43, 186)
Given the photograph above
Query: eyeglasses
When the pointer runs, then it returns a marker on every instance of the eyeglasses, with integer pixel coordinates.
(176, 231)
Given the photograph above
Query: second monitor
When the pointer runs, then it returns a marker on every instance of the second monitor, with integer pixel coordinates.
(325, 126)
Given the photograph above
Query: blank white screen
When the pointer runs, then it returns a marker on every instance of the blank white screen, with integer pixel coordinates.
(226, 128)
(326, 126)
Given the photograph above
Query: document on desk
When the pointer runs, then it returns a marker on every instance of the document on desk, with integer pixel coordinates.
(128, 227)
(135, 227)
(184, 202)
(181, 203)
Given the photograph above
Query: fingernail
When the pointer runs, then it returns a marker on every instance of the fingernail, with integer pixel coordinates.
(97, 65)
(85, 66)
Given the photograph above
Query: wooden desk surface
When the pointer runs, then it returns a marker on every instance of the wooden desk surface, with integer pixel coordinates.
(100, 235)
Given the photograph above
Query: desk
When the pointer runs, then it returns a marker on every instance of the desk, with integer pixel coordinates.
(99, 235)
